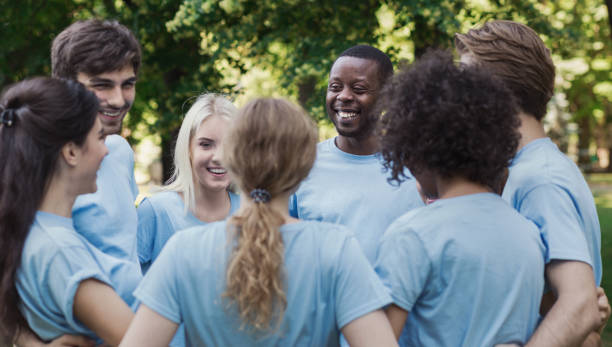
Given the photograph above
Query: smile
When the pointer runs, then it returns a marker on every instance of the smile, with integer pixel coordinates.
(217, 171)
(111, 114)
(347, 115)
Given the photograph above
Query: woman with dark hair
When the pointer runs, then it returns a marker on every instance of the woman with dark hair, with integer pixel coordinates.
(263, 278)
(52, 279)
(467, 269)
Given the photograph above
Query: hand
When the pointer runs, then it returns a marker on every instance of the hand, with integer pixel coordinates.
(604, 309)
(71, 341)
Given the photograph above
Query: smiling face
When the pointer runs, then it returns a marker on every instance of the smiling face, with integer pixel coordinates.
(115, 91)
(351, 95)
(204, 151)
(93, 151)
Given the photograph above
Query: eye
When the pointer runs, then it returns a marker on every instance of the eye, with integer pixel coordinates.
(128, 85)
(101, 86)
(334, 87)
(206, 145)
(360, 90)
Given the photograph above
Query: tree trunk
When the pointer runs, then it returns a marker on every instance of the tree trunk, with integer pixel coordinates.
(167, 154)
(584, 140)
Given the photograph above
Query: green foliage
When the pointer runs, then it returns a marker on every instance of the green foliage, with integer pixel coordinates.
(192, 46)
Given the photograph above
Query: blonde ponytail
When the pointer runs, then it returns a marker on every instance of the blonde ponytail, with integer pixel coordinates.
(269, 150)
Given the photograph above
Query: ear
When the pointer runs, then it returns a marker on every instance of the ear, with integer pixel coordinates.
(71, 153)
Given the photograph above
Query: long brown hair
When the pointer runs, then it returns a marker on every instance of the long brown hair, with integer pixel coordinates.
(270, 146)
(45, 114)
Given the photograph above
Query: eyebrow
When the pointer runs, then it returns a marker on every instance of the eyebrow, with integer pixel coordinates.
(205, 139)
(106, 80)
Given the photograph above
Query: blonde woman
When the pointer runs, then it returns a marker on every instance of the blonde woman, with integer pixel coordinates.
(263, 278)
(198, 190)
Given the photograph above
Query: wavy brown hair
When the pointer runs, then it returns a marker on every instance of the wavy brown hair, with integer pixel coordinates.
(271, 145)
(48, 113)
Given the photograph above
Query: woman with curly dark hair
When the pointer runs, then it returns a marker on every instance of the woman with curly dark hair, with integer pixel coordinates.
(466, 270)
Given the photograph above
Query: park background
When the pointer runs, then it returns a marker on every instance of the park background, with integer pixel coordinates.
(248, 48)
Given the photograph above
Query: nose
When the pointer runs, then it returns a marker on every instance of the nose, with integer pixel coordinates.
(345, 95)
(216, 155)
(115, 97)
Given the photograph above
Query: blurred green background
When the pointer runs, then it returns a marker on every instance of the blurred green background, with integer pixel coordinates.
(247, 48)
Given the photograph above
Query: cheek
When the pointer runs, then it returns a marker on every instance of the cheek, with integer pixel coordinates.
(129, 95)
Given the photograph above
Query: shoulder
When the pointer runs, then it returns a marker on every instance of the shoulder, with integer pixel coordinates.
(164, 198)
(118, 146)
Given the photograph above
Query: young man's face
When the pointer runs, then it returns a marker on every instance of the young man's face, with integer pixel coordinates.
(351, 94)
(115, 91)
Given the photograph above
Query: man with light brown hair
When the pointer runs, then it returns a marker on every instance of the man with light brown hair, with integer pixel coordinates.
(545, 186)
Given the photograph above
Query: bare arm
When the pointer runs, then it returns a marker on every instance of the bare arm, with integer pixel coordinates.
(372, 329)
(100, 309)
(27, 338)
(397, 318)
(574, 314)
(149, 328)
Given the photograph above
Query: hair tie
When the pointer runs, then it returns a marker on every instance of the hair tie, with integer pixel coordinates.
(260, 195)
(7, 117)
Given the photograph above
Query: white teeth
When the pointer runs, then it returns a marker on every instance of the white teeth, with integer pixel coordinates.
(111, 114)
(347, 115)
(217, 171)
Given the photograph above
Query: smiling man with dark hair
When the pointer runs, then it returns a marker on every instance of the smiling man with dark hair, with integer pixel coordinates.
(347, 184)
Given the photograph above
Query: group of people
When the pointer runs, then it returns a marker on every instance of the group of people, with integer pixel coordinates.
(441, 214)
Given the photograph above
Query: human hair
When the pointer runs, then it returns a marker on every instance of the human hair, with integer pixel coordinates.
(46, 114)
(514, 53)
(455, 122)
(385, 67)
(94, 46)
(183, 179)
(270, 146)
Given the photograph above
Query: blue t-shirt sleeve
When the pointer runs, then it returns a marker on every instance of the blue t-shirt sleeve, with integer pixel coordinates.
(147, 224)
(403, 265)
(553, 210)
(66, 270)
(356, 288)
(159, 287)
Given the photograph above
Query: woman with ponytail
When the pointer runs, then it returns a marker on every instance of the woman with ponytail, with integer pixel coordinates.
(52, 279)
(263, 278)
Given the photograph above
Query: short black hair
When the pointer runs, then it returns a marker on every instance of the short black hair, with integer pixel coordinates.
(455, 122)
(385, 67)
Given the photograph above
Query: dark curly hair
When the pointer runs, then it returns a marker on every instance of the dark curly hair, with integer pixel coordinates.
(449, 120)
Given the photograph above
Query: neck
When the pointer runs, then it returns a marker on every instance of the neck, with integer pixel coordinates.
(58, 198)
(211, 205)
(358, 146)
(531, 129)
(458, 186)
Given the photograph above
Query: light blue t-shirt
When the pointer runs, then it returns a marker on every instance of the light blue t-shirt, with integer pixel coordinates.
(469, 270)
(107, 218)
(547, 188)
(329, 283)
(55, 260)
(160, 216)
(352, 190)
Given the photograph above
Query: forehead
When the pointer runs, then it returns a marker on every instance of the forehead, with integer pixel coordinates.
(211, 127)
(350, 69)
(117, 76)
